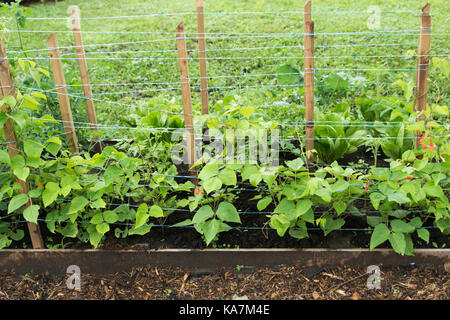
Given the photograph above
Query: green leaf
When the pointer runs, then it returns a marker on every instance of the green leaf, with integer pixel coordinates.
(95, 238)
(156, 212)
(227, 212)
(340, 186)
(111, 173)
(98, 204)
(39, 94)
(248, 171)
(17, 202)
(419, 164)
(325, 194)
(203, 214)
(409, 250)
(19, 117)
(70, 230)
(302, 207)
(288, 75)
(102, 228)
(332, 225)
(31, 213)
(142, 230)
(78, 203)
(228, 177)
(263, 203)
(211, 228)
(187, 222)
(4, 157)
(10, 100)
(3, 118)
(299, 233)
(335, 82)
(29, 102)
(141, 215)
(33, 148)
(247, 111)
(4, 241)
(53, 148)
(373, 221)
(401, 226)
(97, 219)
(50, 193)
(287, 209)
(18, 166)
(398, 242)
(212, 184)
(255, 179)
(98, 186)
(438, 109)
(182, 203)
(296, 164)
(424, 235)
(379, 235)
(398, 197)
(110, 216)
(242, 126)
(208, 171)
(409, 156)
(18, 235)
(280, 223)
(308, 216)
(53, 145)
(339, 206)
(432, 190)
(415, 222)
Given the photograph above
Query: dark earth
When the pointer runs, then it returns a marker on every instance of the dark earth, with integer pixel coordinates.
(277, 283)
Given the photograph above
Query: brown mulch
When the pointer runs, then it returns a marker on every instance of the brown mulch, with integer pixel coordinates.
(278, 283)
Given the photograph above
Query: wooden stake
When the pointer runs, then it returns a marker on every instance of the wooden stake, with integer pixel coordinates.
(7, 89)
(186, 94)
(60, 83)
(76, 28)
(307, 11)
(423, 61)
(309, 79)
(202, 56)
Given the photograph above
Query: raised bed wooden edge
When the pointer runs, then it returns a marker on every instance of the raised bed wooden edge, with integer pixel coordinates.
(111, 261)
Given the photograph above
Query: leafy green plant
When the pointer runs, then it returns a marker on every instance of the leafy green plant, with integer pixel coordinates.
(335, 136)
(213, 201)
(410, 183)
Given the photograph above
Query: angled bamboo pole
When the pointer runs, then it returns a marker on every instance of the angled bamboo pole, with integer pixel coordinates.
(423, 62)
(202, 56)
(61, 89)
(7, 89)
(82, 64)
(186, 95)
(308, 39)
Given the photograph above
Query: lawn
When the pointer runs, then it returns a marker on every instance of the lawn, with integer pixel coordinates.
(246, 63)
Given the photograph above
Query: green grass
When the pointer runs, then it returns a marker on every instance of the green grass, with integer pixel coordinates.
(125, 71)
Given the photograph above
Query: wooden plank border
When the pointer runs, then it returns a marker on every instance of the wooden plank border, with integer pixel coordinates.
(112, 261)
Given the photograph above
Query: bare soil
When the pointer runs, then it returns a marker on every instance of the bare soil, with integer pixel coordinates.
(279, 283)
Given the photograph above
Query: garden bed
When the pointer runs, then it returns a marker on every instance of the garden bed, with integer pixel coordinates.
(380, 178)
